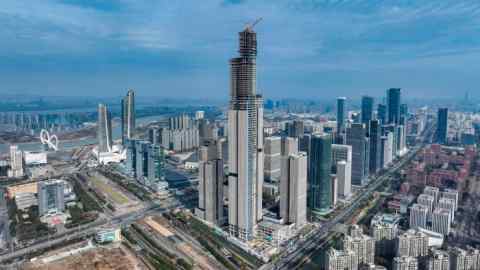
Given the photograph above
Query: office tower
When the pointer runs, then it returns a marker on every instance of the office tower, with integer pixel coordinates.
(448, 204)
(367, 110)
(442, 125)
(51, 196)
(384, 229)
(441, 221)
(272, 156)
(451, 194)
(334, 189)
(153, 135)
(432, 191)
(375, 146)
(104, 131)
(319, 188)
(382, 113)
(402, 140)
(131, 160)
(412, 243)
(16, 162)
(461, 259)
(405, 263)
(356, 137)
(341, 114)
(141, 162)
(427, 201)
(199, 115)
(342, 161)
(344, 178)
(418, 216)
(295, 129)
(341, 260)
(293, 188)
(210, 187)
(438, 260)
(304, 143)
(363, 245)
(155, 166)
(393, 106)
(391, 128)
(403, 113)
(289, 146)
(128, 116)
(245, 141)
(388, 149)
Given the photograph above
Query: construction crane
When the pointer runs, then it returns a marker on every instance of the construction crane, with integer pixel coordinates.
(250, 26)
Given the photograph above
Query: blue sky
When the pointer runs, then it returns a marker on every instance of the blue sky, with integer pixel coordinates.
(181, 48)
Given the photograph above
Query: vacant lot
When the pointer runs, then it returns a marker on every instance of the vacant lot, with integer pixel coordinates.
(104, 186)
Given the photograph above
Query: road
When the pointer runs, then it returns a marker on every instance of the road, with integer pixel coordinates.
(311, 243)
(84, 231)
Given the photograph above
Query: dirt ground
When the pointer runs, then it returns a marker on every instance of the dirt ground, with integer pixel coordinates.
(114, 258)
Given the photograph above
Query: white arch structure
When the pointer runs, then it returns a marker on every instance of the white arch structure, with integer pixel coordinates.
(50, 141)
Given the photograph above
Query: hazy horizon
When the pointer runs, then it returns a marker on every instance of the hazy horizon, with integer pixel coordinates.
(316, 49)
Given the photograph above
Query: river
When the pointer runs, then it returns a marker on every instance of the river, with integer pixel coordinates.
(67, 145)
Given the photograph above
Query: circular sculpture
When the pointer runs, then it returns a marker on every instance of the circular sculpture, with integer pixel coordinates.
(50, 141)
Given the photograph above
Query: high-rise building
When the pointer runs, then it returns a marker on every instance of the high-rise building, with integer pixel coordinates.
(245, 141)
(438, 260)
(141, 162)
(51, 196)
(295, 129)
(155, 166)
(412, 243)
(388, 146)
(375, 146)
(341, 260)
(432, 191)
(293, 187)
(319, 188)
(341, 114)
(451, 194)
(461, 259)
(272, 156)
(405, 263)
(104, 129)
(441, 221)
(199, 115)
(367, 110)
(334, 189)
(16, 162)
(128, 116)
(393, 106)
(342, 162)
(403, 113)
(384, 229)
(356, 137)
(153, 136)
(442, 125)
(131, 160)
(210, 187)
(418, 216)
(427, 201)
(448, 204)
(363, 245)
(382, 113)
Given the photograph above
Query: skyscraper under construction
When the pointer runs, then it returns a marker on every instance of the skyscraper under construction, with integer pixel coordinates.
(245, 141)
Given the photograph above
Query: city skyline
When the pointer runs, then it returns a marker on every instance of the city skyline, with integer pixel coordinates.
(105, 47)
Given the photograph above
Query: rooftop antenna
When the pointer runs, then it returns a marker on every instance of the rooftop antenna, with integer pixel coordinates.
(249, 26)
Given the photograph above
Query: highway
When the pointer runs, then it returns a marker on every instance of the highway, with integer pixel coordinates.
(308, 245)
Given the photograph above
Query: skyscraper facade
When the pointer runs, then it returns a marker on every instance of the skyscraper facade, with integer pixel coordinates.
(367, 110)
(295, 129)
(104, 129)
(272, 156)
(341, 114)
(356, 137)
(293, 186)
(320, 184)
(128, 116)
(442, 125)
(16, 162)
(382, 113)
(375, 146)
(245, 141)
(210, 187)
(393, 105)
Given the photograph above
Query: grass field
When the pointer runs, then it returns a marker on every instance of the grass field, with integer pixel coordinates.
(110, 192)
